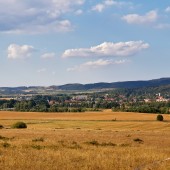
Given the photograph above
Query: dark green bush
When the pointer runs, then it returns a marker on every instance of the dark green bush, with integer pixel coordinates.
(19, 125)
(160, 118)
(138, 140)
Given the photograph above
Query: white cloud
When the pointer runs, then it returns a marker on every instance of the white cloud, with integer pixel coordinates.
(98, 7)
(48, 55)
(79, 12)
(108, 49)
(117, 3)
(32, 16)
(167, 9)
(110, 2)
(149, 17)
(57, 26)
(20, 52)
(95, 64)
(42, 70)
(101, 6)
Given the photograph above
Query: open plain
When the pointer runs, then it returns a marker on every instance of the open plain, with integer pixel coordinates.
(88, 141)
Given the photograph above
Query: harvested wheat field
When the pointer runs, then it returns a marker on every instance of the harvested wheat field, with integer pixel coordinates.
(103, 115)
(86, 141)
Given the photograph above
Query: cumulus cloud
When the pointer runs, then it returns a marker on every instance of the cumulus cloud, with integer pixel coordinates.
(98, 7)
(57, 26)
(48, 55)
(167, 9)
(35, 16)
(108, 49)
(149, 17)
(101, 6)
(95, 64)
(79, 12)
(20, 52)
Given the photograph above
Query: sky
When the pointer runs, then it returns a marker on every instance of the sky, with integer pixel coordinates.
(55, 42)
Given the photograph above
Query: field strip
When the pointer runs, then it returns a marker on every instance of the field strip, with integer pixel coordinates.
(151, 164)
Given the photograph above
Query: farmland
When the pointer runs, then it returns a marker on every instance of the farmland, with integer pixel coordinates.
(90, 140)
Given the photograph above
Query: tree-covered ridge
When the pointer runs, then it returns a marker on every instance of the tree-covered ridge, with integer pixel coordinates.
(83, 87)
(126, 84)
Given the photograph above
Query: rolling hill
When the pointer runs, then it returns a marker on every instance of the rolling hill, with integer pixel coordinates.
(126, 84)
(84, 87)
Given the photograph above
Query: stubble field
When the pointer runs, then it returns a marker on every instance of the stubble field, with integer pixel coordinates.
(86, 141)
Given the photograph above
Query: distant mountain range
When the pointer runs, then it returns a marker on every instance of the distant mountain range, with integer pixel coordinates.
(84, 87)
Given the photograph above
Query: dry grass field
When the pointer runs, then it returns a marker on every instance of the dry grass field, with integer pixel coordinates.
(85, 141)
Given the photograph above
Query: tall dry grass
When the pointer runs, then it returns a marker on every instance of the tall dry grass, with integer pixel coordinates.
(99, 144)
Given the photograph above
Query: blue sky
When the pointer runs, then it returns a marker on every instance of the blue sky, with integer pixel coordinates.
(53, 42)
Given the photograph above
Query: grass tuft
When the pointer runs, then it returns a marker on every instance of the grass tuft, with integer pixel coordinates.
(124, 145)
(108, 144)
(6, 145)
(38, 140)
(38, 147)
(93, 142)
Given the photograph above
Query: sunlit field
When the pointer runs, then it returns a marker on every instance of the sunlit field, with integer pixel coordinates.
(87, 141)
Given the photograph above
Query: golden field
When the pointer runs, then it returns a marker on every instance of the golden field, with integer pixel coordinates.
(85, 141)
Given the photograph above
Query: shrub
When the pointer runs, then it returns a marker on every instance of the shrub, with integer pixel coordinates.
(160, 118)
(1, 127)
(114, 119)
(138, 140)
(19, 125)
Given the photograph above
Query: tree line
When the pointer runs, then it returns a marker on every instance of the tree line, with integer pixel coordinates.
(141, 107)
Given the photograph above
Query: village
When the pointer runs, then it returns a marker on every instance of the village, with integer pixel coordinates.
(115, 100)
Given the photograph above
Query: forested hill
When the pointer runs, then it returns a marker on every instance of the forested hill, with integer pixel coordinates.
(84, 87)
(126, 84)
